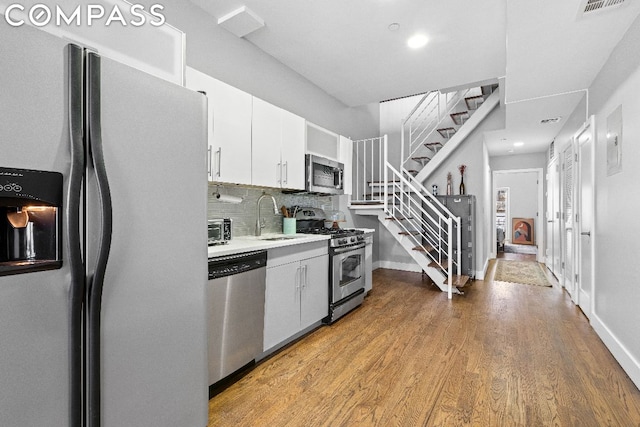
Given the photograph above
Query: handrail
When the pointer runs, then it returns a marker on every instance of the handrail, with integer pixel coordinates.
(418, 105)
(428, 222)
(422, 123)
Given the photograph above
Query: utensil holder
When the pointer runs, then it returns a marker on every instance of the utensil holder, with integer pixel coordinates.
(289, 225)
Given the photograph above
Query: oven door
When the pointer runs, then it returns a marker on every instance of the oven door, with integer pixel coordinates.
(347, 271)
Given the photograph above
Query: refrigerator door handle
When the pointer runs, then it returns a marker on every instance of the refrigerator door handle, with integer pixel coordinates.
(96, 282)
(75, 69)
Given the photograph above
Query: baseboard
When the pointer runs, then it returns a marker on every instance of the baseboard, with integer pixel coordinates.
(399, 266)
(481, 274)
(629, 364)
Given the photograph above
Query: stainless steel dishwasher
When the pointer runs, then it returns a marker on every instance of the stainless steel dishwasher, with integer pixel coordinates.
(235, 295)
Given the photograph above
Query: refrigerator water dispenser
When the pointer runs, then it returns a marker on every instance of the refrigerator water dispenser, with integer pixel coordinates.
(30, 221)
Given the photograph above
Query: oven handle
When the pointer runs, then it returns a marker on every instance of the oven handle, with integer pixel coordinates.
(348, 248)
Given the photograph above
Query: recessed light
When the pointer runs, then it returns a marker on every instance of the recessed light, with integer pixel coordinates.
(518, 144)
(394, 27)
(417, 41)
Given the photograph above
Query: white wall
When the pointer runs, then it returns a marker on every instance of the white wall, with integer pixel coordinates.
(616, 292)
(617, 201)
(236, 61)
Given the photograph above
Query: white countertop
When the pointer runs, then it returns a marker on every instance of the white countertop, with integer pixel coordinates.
(367, 230)
(254, 243)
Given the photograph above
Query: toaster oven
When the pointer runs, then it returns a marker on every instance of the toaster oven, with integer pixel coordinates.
(219, 231)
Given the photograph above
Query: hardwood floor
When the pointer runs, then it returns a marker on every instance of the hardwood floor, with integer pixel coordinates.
(501, 355)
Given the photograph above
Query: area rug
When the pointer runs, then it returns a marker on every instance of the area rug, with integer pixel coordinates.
(524, 272)
(520, 249)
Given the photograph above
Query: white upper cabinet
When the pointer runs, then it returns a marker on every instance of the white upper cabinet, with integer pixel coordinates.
(229, 128)
(292, 151)
(277, 154)
(322, 142)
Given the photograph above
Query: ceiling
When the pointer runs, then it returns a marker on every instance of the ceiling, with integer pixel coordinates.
(545, 52)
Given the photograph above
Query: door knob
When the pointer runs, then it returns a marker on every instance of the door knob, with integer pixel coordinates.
(586, 233)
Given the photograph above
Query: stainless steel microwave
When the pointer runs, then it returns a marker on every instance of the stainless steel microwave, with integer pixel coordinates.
(219, 231)
(324, 176)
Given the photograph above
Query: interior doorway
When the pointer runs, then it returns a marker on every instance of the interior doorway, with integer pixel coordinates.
(525, 189)
(585, 217)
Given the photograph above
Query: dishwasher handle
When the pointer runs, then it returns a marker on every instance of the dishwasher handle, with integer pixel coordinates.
(235, 264)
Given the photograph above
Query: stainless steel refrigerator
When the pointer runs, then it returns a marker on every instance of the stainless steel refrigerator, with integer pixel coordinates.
(113, 332)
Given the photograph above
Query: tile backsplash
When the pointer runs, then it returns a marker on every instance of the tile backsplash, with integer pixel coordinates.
(244, 213)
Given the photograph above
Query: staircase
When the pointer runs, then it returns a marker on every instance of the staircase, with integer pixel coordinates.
(425, 228)
(439, 124)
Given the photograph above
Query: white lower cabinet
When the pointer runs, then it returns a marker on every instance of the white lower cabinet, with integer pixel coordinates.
(297, 291)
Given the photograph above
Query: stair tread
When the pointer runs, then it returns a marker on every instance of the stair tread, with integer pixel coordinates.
(446, 132)
(432, 144)
(458, 281)
(460, 117)
(443, 265)
(421, 158)
(409, 233)
(423, 249)
(473, 102)
(393, 218)
(366, 202)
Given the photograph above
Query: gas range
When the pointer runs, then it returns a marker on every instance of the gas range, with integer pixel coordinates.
(340, 237)
(312, 220)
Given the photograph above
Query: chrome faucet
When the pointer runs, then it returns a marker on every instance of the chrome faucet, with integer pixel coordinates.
(260, 226)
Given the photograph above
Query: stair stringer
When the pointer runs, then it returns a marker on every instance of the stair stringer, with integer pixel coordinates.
(421, 259)
(459, 137)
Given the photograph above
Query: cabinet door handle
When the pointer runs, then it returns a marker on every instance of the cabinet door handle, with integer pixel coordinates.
(304, 280)
(219, 154)
(209, 161)
(285, 168)
(279, 173)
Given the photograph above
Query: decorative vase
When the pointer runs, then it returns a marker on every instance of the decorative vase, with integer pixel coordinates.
(449, 185)
(462, 168)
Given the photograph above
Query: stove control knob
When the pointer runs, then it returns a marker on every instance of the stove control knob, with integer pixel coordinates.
(353, 239)
(360, 238)
(342, 241)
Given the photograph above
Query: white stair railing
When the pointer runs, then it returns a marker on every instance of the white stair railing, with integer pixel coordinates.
(426, 221)
(368, 181)
(425, 118)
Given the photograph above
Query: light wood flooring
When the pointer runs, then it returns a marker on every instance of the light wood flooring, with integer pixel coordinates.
(501, 355)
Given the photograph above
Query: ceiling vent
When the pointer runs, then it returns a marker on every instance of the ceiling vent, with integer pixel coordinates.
(550, 121)
(595, 7)
(241, 22)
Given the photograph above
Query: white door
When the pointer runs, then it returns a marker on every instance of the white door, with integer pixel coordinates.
(568, 223)
(584, 221)
(548, 216)
(554, 228)
(557, 223)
